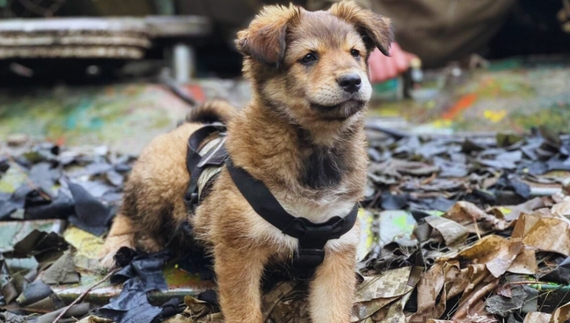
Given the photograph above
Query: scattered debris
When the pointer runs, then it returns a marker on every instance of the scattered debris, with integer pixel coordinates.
(140, 275)
(457, 230)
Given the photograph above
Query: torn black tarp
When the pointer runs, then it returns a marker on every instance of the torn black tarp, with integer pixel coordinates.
(141, 276)
(4, 164)
(60, 207)
(45, 181)
(90, 214)
(197, 261)
(37, 292)
(41, 245)
(145, 268)
(131, 306)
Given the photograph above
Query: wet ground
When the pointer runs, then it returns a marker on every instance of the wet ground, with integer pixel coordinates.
(512, 95)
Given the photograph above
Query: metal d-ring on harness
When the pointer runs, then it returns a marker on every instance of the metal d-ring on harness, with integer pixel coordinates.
(312, 236)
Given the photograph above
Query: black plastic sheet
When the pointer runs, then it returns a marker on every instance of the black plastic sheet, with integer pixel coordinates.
(83, 186)
(90, 214)
(142, 275)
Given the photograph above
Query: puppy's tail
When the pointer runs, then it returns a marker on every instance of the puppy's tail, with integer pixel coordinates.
(212, 111)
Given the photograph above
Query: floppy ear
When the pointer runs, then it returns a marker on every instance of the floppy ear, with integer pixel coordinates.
(265, 38)
(375, 29)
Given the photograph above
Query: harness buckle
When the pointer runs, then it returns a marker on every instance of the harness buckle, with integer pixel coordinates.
(314, 236)
(309, 258)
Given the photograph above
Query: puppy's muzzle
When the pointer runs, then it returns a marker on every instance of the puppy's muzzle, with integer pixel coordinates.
(350, 83)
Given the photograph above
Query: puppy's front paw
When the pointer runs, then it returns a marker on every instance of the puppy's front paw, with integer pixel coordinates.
(112, 245)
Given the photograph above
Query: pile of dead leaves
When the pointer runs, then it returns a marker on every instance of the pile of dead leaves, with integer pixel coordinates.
(490, 252)
(471, 265)
(485, 247)
(432, 173)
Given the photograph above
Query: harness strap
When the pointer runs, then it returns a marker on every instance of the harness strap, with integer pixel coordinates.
(312, 236)
(196, 163)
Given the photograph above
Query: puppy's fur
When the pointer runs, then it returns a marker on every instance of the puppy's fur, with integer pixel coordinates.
(302, 135)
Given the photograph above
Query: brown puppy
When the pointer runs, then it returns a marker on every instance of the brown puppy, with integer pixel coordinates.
(302, 135)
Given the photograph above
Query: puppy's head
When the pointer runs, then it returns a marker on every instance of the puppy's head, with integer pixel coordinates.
(312, 66)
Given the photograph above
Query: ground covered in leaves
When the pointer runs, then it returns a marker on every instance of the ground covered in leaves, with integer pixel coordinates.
(456, 230)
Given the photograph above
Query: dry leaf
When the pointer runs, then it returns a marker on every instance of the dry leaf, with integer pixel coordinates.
(463, 211)
(561, 315)
(436, 282)
(546, 234)
(395, 312)
(270, 299)
(452, 232)
(504, 290)
(524, 263)
(429, 287)
(471, 277)
(495, 252)
(467, 213)
(512, 212)
(537, 317)
(364, 310)
(472, 304)
(389, 284)
(561, 209)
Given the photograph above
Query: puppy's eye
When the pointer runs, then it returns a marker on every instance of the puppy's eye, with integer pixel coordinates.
(355, 53)
(309, 58)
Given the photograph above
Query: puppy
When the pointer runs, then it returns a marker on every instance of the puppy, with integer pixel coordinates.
(301, 135)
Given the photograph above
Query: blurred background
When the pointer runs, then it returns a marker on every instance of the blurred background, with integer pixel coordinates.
(119, 72)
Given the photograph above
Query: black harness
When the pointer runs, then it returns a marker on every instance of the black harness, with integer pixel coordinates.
(196, 163)
(312, 236)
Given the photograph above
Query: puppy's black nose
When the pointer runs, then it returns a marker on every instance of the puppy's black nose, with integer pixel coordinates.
(350, 82)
